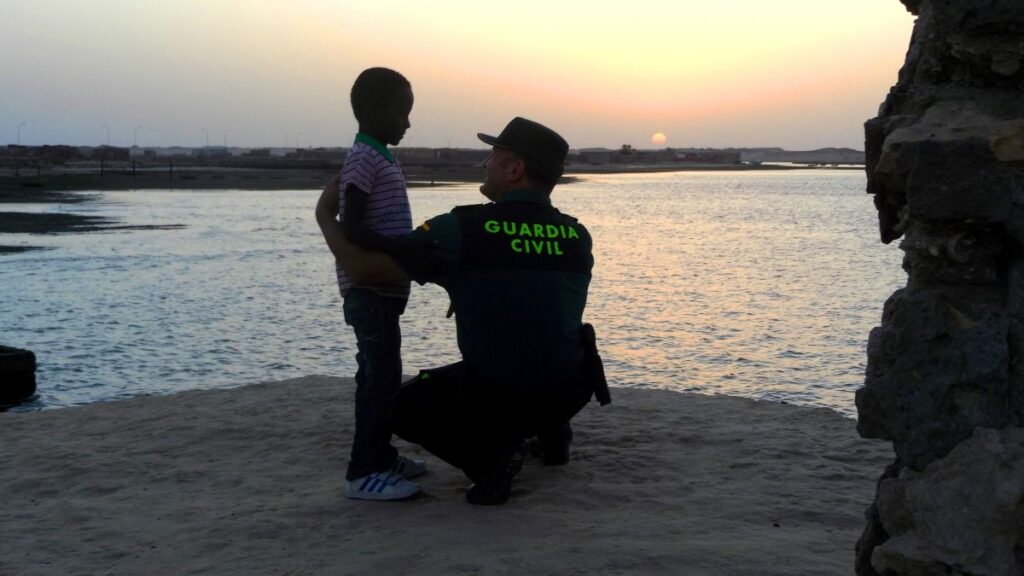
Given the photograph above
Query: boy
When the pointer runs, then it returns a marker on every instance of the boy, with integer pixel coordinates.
(373, 203)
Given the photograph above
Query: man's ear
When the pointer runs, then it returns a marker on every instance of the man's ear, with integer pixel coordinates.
(516, 170)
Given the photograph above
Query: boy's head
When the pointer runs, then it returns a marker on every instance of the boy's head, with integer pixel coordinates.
(382, 100)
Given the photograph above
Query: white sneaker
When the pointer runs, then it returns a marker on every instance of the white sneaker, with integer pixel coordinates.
(409, 468)
(381, 486)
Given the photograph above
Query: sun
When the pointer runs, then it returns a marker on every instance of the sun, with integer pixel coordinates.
(659, 138)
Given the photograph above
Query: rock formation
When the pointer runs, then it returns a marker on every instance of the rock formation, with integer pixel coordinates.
(945, 380)
(17, 375)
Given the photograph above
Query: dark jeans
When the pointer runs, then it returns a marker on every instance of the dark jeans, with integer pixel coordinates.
(378, 377)
(458, 417)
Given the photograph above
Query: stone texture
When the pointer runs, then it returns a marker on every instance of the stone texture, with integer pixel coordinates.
(937, 368)
(874, 532)
(1015, 316)
(945, 162)
(954, 255)
(955, 114)
(963, 514)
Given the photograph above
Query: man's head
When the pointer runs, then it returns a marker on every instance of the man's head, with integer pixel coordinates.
(381, 101)
(525, 155)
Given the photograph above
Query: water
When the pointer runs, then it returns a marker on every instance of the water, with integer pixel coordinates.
(757, 284)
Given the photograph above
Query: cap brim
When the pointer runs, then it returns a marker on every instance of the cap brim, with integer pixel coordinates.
(492, 140)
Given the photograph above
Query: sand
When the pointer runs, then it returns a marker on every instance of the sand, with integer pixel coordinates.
(248, 481)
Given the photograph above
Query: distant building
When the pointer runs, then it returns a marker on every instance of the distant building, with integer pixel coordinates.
(323, 154)
(110, 153)
(819, 156)
(462, 156)
(711, 156)
(57, 154)
(15, 151)
(431, 156)
(416, 155)
(594, 156)
(159, 152)
(211, 152)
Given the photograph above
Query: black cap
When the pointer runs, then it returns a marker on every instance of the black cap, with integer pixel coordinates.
(541, 147)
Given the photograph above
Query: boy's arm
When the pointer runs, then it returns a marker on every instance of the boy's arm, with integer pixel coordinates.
(415, 257)
(353, 224)
(362, 266)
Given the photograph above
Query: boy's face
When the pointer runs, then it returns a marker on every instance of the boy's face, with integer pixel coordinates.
(392, 121)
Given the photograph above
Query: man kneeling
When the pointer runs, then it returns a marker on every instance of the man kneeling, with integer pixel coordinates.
(517, 271)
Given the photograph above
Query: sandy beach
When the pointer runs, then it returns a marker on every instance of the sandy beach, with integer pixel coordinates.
(249, 481)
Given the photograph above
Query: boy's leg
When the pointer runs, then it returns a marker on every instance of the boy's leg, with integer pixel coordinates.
(374, 318)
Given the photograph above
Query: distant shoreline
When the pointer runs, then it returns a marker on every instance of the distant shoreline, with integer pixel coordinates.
(69, 187)
(231, 178)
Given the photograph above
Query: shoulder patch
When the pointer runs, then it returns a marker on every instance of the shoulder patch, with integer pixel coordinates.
(573, 219)
(468, 207)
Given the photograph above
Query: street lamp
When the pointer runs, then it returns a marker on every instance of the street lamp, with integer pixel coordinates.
(226, 132)
(297, 138)
(135, 137)
(285, 132)
(19, 133)
(107, 128)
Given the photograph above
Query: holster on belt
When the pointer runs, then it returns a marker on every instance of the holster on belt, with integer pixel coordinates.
(593, 369)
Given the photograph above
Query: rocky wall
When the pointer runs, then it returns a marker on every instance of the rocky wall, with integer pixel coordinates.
(944, 382)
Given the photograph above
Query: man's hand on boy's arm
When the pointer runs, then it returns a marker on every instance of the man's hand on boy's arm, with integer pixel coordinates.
(362, 266)
(327, 219)
(431, 252)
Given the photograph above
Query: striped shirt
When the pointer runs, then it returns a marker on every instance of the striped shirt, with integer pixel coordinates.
(371, 167)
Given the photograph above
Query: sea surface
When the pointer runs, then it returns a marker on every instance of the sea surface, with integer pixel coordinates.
(761, 284)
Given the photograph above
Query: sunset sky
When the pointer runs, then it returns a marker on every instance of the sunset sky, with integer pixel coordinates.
(793, 73)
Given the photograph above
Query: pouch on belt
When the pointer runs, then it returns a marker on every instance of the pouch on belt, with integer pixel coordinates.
(593, 369)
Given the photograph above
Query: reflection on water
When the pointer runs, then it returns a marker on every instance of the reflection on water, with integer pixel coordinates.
(758, 284)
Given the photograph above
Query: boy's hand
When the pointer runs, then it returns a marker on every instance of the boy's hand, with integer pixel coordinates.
(362, 266)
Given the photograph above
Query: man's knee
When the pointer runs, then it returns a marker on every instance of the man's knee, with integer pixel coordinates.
(428, 401)
(406, 410)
